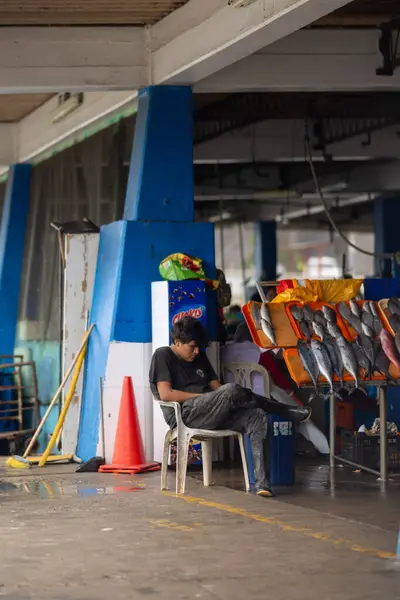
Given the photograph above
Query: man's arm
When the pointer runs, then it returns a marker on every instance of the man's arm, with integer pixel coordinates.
(167, 394)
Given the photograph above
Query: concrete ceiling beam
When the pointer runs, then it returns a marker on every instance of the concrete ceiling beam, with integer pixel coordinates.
(309, 60)
(56, 59)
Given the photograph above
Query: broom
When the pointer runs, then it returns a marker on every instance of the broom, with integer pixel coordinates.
(21, 462)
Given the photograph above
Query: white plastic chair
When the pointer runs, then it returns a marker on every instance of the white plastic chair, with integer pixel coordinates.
(242, 372)
(183, 435)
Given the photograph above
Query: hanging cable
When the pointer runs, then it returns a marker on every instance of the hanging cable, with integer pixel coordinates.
(242, 258)
(394, 256)
(221, 234)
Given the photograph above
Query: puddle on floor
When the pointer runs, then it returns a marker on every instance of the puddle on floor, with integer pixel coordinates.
(43, 488)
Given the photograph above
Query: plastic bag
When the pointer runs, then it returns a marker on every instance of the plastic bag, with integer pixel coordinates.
(178, 267)
(313, 290)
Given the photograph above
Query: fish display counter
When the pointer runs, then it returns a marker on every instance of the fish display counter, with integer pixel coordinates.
(349, 346)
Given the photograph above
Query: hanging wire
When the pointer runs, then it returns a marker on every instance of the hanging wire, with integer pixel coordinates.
(394, 256)
(221, 234)
(242, 260)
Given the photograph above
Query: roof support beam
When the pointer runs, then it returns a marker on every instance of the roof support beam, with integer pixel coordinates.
(52, 59)
(309, 60)
(229, 35)
(192, 43)
(8, 143)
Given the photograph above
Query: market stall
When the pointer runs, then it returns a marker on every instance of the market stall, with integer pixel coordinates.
(333, 342)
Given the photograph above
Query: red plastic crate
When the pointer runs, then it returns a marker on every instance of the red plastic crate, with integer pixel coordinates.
(344, 415)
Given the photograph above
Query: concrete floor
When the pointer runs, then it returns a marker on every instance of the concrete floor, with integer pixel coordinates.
(72, 536)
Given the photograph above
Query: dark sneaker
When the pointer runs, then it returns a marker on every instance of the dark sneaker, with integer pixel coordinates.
(266, 493)
(299, 414)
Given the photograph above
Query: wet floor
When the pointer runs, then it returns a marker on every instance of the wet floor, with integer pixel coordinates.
(57, 488)
(350, 494)
(354, 495)
(93, 536)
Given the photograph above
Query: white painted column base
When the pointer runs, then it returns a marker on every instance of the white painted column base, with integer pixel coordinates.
(132, 360)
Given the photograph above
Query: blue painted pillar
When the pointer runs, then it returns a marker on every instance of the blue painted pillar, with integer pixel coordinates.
(387, 238)
(160, 184)
(12, 239)
(266, 251)
(158, 221)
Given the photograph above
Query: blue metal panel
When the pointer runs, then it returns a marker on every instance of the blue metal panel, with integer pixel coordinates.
(386, 217)
(266, 251)
(160, 185)
(106, 286)
(12, 237)
(146, 245)
(376, 289)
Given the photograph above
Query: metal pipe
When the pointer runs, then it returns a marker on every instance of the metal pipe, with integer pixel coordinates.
(332, 430)
(356, 465)
(383, 433)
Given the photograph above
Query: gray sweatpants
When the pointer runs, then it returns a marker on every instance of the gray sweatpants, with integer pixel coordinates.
(234, 407)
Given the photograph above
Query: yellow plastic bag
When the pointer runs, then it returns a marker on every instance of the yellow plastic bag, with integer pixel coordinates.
(328, 290)
(299, 294)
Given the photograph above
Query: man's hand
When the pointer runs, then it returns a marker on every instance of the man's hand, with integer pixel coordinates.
(167, 394)
(214, 385)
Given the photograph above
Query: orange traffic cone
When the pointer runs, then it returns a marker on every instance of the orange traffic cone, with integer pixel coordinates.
(128, 454)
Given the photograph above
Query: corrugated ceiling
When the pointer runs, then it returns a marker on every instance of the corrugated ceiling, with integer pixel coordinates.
(89, 12)
(14, 107)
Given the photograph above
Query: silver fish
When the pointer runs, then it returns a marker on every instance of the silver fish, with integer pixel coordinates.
(394, 306)
(323, 361)
(265, 313)
(268, 330)
(368, 319)
(355, 309)
(382, 363)
(397, 341)
(356, 324)
(329, 313)
(362, 358)
(394, 322)
(256, 316)
(373, 309)
(334, 330)
(308, 313)
(349, 359)
(319, 317)
(319, 329)
(369, 347)
(335, 357)
(305, 329)
(344, 311)
(297, 312)
(349, 316)
(366, 307)
(367, 330)
(309, 363)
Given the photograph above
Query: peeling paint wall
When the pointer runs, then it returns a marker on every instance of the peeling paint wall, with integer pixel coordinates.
(80, 256)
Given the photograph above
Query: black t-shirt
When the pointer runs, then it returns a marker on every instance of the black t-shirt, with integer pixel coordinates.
(184, 376)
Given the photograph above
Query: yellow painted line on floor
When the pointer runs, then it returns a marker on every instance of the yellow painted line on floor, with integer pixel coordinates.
(175, 526)
(284, 526)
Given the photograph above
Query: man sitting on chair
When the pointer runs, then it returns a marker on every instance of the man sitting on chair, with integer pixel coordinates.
(182, 373)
